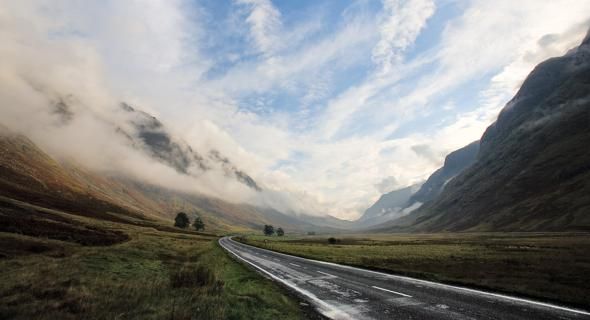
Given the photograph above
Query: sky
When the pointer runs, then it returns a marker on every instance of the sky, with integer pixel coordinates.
(328, 103)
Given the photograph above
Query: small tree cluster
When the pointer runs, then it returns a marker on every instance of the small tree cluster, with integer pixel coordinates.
(198, 224)
(269, 230)
(182, 221)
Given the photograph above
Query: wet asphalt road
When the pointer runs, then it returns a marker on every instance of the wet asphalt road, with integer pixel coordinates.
(343, 292)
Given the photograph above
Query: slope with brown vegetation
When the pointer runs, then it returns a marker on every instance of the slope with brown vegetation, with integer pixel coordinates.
(30, 175)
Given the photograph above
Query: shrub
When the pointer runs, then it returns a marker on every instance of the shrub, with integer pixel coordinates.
(268, 230)
(193, 277)
(181, 220)
(198, 224)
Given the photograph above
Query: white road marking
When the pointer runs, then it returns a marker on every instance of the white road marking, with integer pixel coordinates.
(426, 282)
(383, 289)
(327, 274)
(296, 265)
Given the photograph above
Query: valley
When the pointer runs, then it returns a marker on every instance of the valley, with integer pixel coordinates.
(262, 159)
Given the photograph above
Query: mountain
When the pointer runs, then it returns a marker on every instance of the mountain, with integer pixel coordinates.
(399, 203)
(150, 135)
(532, 172)
(389, 206)
(29, 175)
(146, 133)
(455, 163)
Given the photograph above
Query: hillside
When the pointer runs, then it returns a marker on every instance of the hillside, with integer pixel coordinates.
(30, 175)
(455, 163)
(532, 172)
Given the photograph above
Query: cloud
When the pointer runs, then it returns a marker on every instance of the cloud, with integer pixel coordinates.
(44, 78)
(298, 67)
(424, 150)
(387, 185)
(265, 24)
(401, 23)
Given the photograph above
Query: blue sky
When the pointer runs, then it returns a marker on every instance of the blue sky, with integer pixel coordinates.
(327, 104)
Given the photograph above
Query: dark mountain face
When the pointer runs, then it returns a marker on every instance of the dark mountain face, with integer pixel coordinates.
(150, 132)
(533, 170)
(62, 110)
(151, 136)
(455, 163)
(231, 170)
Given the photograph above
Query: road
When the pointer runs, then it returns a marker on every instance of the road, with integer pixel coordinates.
(343, 292)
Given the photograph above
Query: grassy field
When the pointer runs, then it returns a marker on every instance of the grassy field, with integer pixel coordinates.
(552, 267)
(57, 266)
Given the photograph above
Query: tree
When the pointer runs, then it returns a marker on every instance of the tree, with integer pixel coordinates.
(181, 220)
(280, 232)
(198, 224)
(269, 230)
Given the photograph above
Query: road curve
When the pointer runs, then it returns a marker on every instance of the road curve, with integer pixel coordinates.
(344, 292)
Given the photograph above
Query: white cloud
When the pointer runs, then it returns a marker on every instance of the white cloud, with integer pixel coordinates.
(265, 24)
(298, 66)
(401, 23)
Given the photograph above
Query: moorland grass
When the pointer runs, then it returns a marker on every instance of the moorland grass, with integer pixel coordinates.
(547, 266)
(153, 275)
